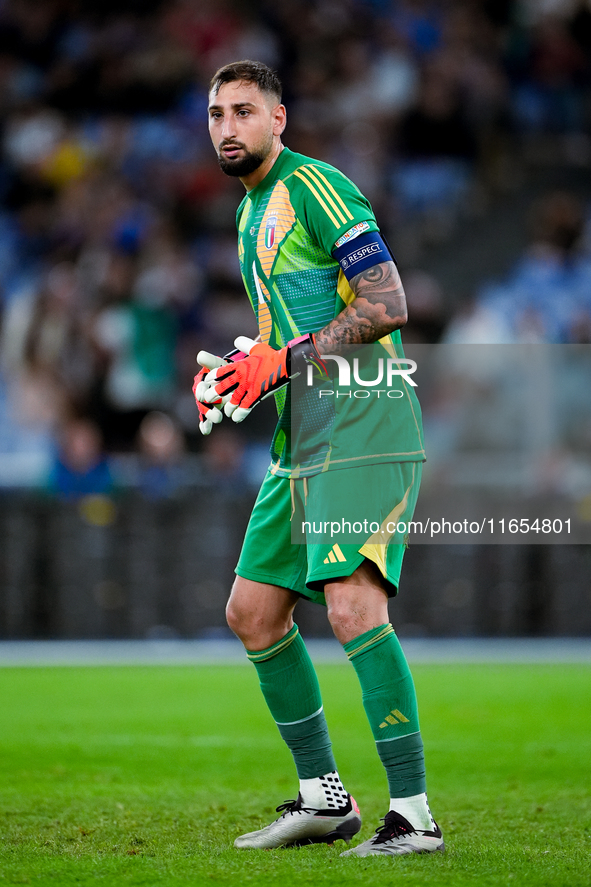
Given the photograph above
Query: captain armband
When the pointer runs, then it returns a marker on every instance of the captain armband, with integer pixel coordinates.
(362, 252)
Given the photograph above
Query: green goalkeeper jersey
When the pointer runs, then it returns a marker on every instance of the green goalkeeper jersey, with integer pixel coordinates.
(288, 227)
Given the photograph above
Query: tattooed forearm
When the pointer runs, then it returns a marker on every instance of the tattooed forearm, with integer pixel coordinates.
(380, 308)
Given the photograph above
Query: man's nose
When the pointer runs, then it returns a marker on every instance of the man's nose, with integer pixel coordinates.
(228, 128)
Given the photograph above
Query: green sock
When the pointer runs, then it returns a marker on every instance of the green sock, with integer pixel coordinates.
(291, 691)
(390, 703)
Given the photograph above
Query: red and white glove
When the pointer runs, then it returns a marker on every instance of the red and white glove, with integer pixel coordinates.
(210, 413)
(242, 385)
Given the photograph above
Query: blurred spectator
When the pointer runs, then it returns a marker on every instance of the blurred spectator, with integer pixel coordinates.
(135, 333)
(224, 455)
(372, 82)
(549, 94)
(438, 149)
(547, 297)
(421, 23)
(161, 447)
(80, 468)
(44, 334)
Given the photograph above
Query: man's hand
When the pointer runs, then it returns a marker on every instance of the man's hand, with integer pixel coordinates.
(243, 385)
(210, 413)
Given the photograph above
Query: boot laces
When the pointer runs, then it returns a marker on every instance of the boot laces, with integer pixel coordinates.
(395, 826)
(294, 806)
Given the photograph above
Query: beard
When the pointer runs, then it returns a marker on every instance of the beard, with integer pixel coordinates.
(243, 166)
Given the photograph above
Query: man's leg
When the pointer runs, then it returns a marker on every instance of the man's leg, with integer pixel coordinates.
(262, 617)
(358, 613)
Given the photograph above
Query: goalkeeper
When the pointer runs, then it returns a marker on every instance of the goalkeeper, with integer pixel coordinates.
(320, 277)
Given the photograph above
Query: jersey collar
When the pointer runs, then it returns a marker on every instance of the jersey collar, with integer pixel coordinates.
(271, 176)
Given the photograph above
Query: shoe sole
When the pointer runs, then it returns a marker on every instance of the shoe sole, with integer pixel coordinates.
(403, 852)
(344, 832)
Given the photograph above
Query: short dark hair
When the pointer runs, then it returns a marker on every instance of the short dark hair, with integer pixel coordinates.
(251, 72)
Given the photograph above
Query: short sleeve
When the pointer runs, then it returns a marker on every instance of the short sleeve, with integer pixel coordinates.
(330, 206)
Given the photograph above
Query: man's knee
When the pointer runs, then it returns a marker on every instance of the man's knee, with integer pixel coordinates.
(341, 615)
(236, 617)
(349, 621)
(259, 614)
(356, 603)
(242, 613)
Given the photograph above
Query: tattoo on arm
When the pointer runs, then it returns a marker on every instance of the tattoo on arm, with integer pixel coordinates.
(378, 309)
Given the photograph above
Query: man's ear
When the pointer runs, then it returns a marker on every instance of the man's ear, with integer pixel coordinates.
(279, 119)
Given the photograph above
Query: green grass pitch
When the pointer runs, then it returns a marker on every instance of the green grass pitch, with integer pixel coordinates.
(144, 776)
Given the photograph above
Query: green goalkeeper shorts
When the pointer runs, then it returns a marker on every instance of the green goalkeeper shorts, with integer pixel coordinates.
(306, 532)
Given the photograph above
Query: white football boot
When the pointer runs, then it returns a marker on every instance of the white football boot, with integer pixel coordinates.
(397, 837)
(299, 825)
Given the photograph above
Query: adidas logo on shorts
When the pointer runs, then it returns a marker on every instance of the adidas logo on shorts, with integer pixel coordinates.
(335, 554)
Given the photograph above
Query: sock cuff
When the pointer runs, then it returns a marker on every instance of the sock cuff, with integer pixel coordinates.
(368, 640)
(315, 714)
(283, 644)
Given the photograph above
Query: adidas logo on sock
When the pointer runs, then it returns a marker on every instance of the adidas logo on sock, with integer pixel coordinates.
(395, 717)
(334, 555)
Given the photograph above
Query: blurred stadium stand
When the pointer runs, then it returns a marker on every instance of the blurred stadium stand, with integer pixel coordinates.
(466, 122)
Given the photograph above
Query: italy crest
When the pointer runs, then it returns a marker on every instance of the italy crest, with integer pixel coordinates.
(270, 232)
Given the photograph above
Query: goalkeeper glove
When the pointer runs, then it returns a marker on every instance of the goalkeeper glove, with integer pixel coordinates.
(210, 414)
(263, 371)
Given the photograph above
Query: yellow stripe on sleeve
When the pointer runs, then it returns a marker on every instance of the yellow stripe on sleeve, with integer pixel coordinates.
(334, 191)
(318, 198)
(312, 175)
